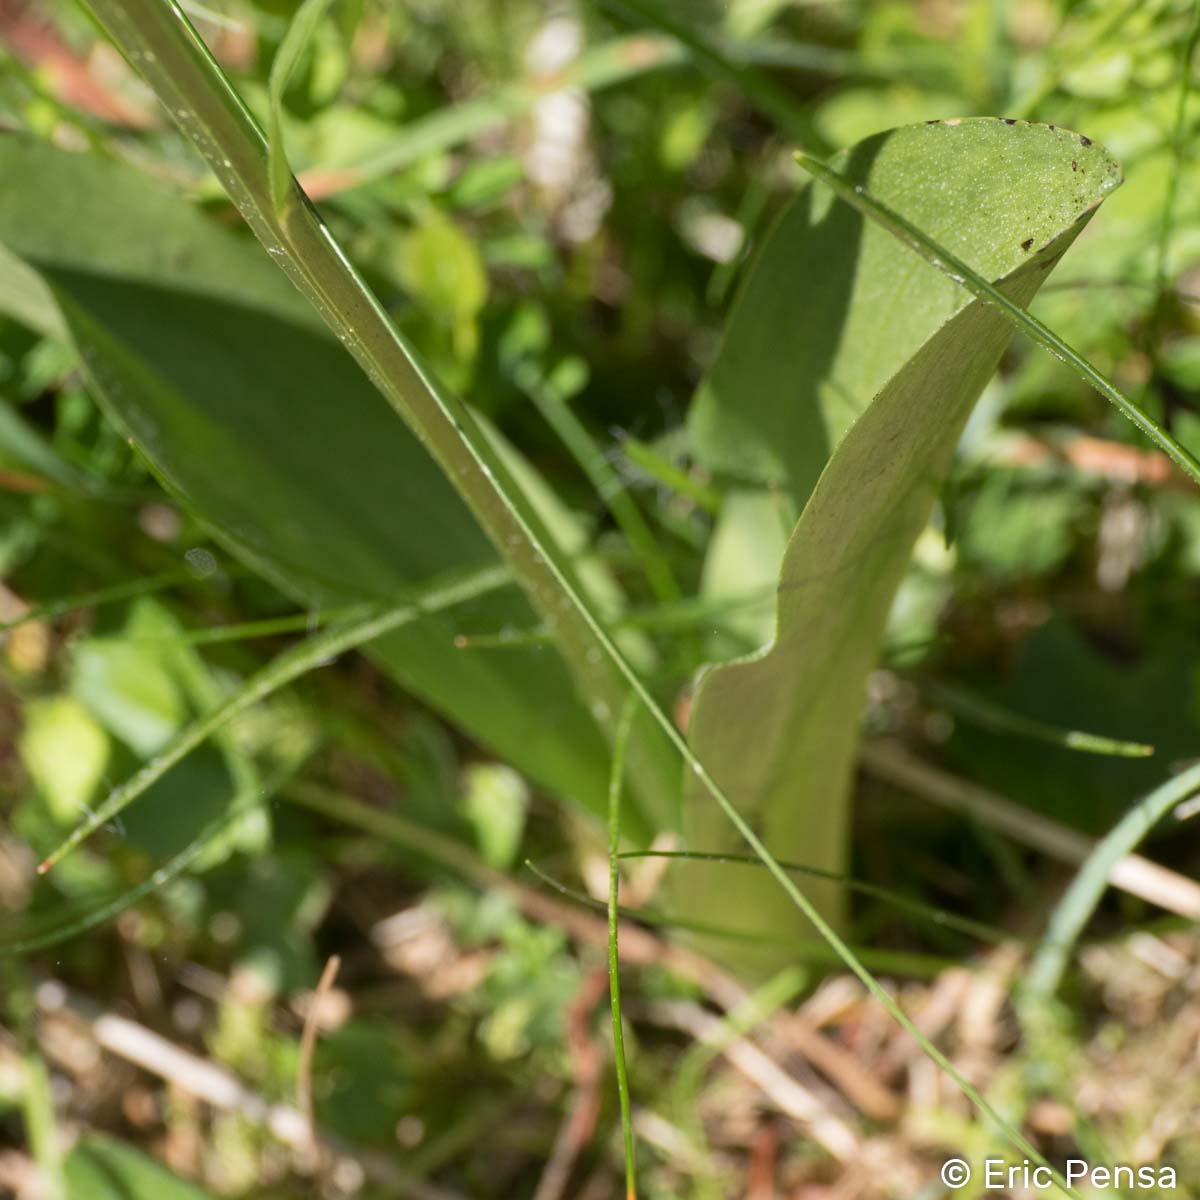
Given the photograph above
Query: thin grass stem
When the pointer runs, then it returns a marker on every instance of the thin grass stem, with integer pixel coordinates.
(106, 595)
(614, 960)
(926, 912)
(995, 717)
(574, 435)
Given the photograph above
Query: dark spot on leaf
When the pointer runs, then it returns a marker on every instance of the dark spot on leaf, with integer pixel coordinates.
(1027, 244)
(1087, 141)
(935, 121)
(1074, 165)
(1009, 120)
(1051, 127)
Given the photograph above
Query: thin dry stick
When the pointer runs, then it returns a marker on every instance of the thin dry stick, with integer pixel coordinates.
(1131, 873)
(308, 1045)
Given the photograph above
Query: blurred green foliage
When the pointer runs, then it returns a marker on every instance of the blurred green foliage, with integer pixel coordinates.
(591, 238)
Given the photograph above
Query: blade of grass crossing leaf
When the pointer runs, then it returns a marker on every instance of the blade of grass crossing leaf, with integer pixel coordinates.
(628, 712)
(962, 274)
(174, 60)
(299, 33)
(692, 612)
(287, 667)
(1075, 909)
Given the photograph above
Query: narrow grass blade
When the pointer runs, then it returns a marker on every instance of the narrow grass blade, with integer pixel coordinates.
(761, 89)
(1075, 909)
(1001, 720)
(305, 622)
(108, 595)
(289, 666)
(573, 434)
(925, 912)
(614, 959)
(895, 962)
(692, 612)
(666, 473)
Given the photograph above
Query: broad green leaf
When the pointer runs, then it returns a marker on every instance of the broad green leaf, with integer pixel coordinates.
(848, 370)
(102, 1168)
(128, 687)
(495, 804)
(253, 415)
(65, 752)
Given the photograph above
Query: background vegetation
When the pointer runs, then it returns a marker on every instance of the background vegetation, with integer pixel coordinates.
(555, 203)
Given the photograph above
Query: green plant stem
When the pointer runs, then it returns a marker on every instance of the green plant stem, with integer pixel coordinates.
(993, 716)
(268, 627)
(1075, 909)
(288, 666)
(957, 270)
(628, 712)
(894, 962)
(647, 459)
(107, 595)
(937, 916)
(573, 434)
